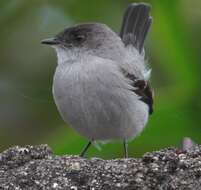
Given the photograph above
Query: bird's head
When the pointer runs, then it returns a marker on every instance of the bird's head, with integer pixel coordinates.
(91, 38)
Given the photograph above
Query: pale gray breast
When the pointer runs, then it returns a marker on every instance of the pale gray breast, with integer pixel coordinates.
(97, 100)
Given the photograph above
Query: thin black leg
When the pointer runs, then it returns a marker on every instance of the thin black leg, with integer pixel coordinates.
(85, 149)
(125, 148)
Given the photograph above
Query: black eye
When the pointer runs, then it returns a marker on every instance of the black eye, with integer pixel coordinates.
(79, 38)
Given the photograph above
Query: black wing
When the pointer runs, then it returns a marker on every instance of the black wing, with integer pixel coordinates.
(135, 25)
(142, 89)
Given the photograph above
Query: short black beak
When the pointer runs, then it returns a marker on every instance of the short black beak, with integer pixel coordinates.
(50, 41)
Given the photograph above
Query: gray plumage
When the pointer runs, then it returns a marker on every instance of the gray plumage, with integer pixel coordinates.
(100, 84)
(135, 25)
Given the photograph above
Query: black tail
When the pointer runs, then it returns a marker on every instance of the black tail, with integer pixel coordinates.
(135, 25)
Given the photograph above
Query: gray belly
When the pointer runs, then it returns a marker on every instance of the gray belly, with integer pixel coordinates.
(97, 111)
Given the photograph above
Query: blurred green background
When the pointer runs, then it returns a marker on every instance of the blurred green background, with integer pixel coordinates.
(27, 112)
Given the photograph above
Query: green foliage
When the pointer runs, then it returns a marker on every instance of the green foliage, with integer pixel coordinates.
(28, 114)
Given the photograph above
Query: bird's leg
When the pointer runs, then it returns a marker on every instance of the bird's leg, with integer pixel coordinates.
(125, 142)
(85, 149)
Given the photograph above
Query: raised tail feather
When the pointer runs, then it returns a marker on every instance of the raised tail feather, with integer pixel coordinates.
(135, 25)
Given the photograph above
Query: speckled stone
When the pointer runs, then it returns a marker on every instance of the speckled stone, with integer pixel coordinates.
(35, 167)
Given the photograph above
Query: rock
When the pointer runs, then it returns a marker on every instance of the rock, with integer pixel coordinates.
(36, 167)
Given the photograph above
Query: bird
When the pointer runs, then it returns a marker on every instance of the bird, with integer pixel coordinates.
(101, 84)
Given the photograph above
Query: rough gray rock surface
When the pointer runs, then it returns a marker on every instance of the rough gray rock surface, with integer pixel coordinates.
(35, 167)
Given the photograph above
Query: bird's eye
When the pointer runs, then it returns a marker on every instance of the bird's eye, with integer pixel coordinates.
(79, 38)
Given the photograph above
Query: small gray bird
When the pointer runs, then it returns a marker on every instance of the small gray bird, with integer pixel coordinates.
(101, 85)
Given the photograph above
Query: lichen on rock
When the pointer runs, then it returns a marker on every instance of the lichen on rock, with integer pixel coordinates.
(36, 167)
